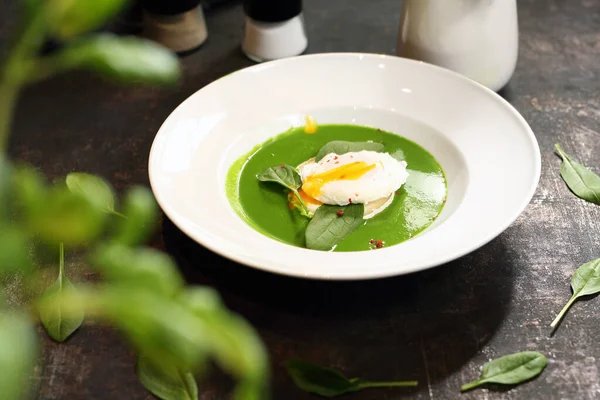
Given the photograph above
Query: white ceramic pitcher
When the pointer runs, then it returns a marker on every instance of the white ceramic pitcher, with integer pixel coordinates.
(477, 38)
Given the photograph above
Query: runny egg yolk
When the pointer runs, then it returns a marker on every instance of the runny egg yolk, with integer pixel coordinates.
(351, 171)
(306, 198)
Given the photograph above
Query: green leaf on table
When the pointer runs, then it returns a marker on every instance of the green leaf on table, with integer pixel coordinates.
(511, 369)
(145, 268)
(340, 147)
(58, 323)
(585, 282)
(140, 210)
(124, 59)
(95, 189)
(332, 224)
(584, 183)
(288, 177)
(328, 382)
(69, 18)
(166, 382)
(18, 352)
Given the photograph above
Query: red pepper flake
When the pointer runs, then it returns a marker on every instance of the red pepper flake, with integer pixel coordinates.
(335, 157)
(398, 192)
(340, 213)
(281, 166)
(349, 200)
(372, 241)
(356, 194)
(337, 162)
(328, 160)
(378, 130)
(379, 244)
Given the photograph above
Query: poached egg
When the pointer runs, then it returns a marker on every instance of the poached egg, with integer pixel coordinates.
(366, 177)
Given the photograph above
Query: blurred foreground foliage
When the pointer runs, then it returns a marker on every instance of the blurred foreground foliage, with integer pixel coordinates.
(176, 330)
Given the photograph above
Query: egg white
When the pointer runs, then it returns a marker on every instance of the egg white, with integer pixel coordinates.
(375, 189)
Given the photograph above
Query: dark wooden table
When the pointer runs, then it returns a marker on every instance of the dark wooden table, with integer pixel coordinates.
(437, 326)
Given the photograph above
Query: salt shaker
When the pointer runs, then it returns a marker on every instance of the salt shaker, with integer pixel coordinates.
(477, 38)
(273, 29)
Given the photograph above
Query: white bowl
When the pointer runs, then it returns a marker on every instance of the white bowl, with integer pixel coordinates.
(487, 150)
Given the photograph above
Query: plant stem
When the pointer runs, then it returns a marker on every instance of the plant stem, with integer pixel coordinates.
(304, 206)
(471, 385)
(563, 311)
(16, 68)
(388, 384)
(61, 260)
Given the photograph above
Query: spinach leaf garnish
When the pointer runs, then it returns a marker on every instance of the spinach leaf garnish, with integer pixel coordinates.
(511, 369)
(288, 177)
(584, 183)
(328, 382)
(340, 147)
(331, 224)
(585, 282)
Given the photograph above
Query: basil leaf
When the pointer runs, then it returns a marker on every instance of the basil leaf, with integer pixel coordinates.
(73, 17)
(584, 183)
(94, 189)
(140, 267)
(511, 369)
(328, 382)
(58, 324)
(326, 229)
(18, 351)
(585, 282)
(140, 208)
(124, 59)
(284, 175)
(340, 147)
(166, 382)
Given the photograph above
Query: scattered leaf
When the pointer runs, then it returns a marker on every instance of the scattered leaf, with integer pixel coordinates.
(58, 324)
(95, 189)
(585, 282)
(511, 369)
(288, 177)
(14, 250)
(326, 229)
(340, 147)
(583, 183)
(328, 382)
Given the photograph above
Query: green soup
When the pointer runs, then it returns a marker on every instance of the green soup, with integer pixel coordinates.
(264, 206)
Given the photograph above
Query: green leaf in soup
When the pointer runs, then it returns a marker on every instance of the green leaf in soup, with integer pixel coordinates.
(140, 210)
(94, 189)
(166, 382)
(329, 227)
(137, 268)
(340, 147)
(285, 175)
(59, 324)
(123, 59)
(69, 18)
(585, 282)
(328, 382)
(511, 369)
(18, 352)
(584, 183)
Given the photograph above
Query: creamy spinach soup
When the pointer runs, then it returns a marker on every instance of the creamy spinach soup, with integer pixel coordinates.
(340, 188)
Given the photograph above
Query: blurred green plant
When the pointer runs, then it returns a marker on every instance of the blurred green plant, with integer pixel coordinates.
(175, 329)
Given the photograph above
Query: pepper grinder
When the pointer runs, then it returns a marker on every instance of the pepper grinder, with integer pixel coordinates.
(176, 24)
(274, 29)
